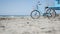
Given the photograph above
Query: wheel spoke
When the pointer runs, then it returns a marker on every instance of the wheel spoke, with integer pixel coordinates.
(51, 12)
(35, 14)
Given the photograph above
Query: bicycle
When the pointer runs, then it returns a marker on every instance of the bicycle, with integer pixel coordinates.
(50, 12)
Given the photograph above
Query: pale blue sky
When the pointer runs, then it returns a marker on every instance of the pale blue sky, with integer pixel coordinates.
(18, 7)
(15, 7)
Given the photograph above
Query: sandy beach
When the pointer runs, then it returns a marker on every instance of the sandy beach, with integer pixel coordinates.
(27, 25)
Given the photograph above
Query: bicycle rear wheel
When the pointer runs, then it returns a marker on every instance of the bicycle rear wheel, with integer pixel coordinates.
(51, 12)
(35, 14)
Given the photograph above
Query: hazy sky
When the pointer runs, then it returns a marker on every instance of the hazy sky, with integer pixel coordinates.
(15, 7)
(19, 7)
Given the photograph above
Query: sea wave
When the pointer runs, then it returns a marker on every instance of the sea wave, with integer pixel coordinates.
(11, 16)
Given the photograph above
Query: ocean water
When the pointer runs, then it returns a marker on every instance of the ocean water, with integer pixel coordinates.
(12, 16)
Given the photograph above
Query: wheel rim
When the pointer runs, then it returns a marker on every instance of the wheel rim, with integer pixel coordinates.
(51, 12)
(35, 14)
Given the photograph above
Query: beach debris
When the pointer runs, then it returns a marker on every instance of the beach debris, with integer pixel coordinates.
(27, 22)
(26, 33)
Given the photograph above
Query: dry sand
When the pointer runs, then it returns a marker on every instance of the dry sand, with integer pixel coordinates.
(27, 25)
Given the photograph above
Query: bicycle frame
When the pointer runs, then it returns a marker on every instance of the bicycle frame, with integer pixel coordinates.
(47, 12)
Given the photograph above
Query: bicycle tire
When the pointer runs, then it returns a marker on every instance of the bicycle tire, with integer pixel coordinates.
(52, 15)
(33, 12)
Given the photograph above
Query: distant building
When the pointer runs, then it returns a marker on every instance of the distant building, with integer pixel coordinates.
(57, 3)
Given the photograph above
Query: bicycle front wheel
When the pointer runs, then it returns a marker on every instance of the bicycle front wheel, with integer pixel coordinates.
(35, 14)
